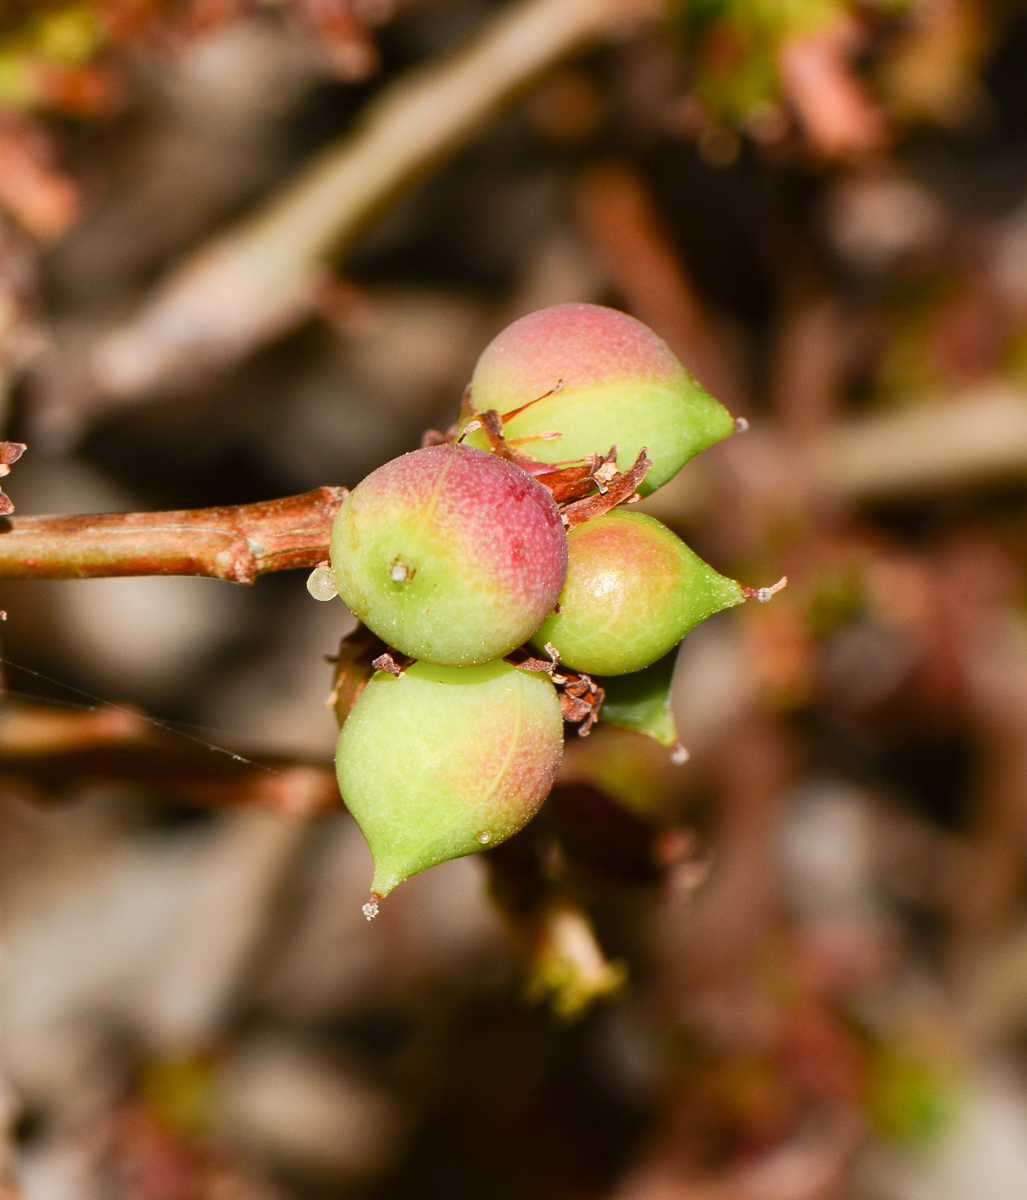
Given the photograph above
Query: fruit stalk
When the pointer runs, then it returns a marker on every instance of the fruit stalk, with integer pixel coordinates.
(236, 543)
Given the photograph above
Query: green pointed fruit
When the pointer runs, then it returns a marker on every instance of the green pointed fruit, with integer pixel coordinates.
(450, 555)
(446, 761)
(613, 382)
(641, 701)
(633, 591)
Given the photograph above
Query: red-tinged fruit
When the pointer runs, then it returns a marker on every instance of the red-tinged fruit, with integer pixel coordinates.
(441, 762)
(633, 590)
(450, 555)
(598, 378)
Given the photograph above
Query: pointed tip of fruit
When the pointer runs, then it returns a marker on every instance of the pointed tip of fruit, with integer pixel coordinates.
(370, 909)
(390, 870)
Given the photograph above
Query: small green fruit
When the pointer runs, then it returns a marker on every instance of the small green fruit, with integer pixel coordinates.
(450, 555)
(446, 761)
(613, 382)
(633, 591)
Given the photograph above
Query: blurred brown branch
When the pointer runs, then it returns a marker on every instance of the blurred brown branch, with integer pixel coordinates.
(265, 276)
(621, 220)
(929, 446)
(46, 752)
(978, 436)
(234, 543)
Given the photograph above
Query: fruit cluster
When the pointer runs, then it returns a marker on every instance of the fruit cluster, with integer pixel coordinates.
(500, 542)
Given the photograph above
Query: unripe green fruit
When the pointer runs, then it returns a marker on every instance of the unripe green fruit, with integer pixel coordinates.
(446, 761)
(633, 591)
(614, 382)
(450, 555)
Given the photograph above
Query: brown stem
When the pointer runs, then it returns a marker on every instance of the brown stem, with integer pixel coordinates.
(264, 276)
(621, 221)
(234, 543)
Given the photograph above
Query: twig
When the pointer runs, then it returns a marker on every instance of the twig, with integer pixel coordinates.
(263, 277)
(838, 115)
(45, 752)
(621, 220)
(976, 437)
(236, 544)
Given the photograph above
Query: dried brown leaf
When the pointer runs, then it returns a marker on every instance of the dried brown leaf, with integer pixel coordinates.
(619, 490)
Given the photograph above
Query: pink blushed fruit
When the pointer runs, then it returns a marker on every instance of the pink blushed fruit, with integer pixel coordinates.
(598, 378)
(450, 555)
(446, 761)
(633, 590)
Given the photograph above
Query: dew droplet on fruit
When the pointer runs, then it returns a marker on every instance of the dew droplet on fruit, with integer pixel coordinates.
(484, 837)
(321, 583)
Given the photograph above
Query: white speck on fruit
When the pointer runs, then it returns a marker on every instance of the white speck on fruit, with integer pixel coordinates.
(321, 583)
(741, 424)
(370, 909)
(483, 837)
(678, 754)
(399, 572)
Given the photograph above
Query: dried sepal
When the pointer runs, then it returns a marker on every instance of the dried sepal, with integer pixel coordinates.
(619, 489)
(354, 666)
(10, 452)
(581, 698)
(580, 480)
(386, 662)
(523, 659)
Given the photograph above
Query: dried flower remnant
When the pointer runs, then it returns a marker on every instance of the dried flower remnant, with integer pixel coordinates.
(581, 698)
(612, 489)
(764, 594)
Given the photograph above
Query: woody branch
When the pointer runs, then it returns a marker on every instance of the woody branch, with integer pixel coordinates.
(235, 543)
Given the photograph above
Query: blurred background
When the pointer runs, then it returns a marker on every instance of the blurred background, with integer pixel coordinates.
(251, 247)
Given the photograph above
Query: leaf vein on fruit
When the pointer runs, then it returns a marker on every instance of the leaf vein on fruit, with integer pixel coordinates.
(429, 509)
(500, 774)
